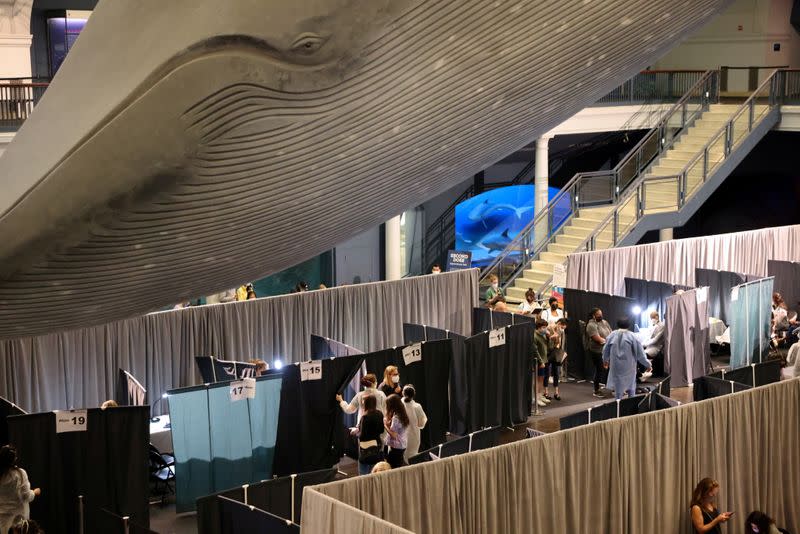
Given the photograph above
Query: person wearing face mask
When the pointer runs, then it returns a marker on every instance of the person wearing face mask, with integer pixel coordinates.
(357, 403)
(553, 313)
(555, 356)
(527, 306)
(540, 342)
(436, 269)
(705, 516)
(391, 381)
(494, 292)
(654, 345)
(621, 352)
(597, 330)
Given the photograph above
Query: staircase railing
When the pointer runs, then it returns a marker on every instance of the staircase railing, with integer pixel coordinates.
(593, 189)
(645, 88)
(18, 96)
(780, 87)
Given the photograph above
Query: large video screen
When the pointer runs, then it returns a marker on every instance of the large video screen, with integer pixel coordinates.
(487, 223)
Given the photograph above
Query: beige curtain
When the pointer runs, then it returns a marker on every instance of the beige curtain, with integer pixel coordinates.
(632, 475)
(674, 261)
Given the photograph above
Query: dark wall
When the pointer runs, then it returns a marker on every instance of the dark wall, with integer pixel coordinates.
(762, 192)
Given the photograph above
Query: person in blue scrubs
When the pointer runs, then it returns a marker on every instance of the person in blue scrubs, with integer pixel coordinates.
(620, 354)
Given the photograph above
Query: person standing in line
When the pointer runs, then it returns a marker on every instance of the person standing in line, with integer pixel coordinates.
(540, 342)
(396, 423)
(621, 353)
(704, 514)
(555, 355)
(391, 381)
(357, 403)
(369, 431)
(417, 421)
(553, 313)
(15, 490)
(597, 330)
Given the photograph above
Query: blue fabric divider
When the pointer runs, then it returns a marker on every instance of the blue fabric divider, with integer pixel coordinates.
(750, 314)
(220, 443)
(708, 387)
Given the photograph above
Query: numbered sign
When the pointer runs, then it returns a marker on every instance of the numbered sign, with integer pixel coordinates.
(70, 421)
(412, 353)
(243, 389)
(311, 371)
(497, 337)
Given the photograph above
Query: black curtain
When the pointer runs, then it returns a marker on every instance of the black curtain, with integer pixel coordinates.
(708, 387)
(107, 464)
(654, 402)
(238, 518)
(430, 378)
(608, 410)
(129, 391)
(787, 281)
(764, 373)
(719, 290)
(649, 296)
(578, 303)
(323, 347)
(518, 379)
(310, 423)
(7, 408)
(662, 387)
(215, 370)
(483, 439)
(413, 333)
(272, 496)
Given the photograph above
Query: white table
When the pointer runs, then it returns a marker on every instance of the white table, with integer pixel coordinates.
(161, 434)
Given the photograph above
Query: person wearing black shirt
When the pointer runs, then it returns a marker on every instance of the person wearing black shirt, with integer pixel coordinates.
(370, 428)
(705, 516)
(391, 381)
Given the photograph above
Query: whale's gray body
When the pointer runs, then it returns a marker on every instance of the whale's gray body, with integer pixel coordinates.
(187, 146)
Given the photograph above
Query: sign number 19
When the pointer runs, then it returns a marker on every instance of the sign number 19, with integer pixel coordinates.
(80, 420)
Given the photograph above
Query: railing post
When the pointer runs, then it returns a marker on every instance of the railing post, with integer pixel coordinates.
(705, 163)
(681, 189)
(640, 200)
(683, 115)
(615, 227)
(728, 138)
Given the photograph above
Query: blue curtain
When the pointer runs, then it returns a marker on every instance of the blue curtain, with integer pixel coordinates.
(221, 443)
(750, 322)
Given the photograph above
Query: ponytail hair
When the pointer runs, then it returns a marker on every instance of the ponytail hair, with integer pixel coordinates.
(408, 393)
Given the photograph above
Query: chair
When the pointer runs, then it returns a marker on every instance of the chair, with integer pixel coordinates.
(162, 473)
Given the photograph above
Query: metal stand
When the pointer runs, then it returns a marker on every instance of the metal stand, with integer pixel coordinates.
(80, 514)
(536, 410)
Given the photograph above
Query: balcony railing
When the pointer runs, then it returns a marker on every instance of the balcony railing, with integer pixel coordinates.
(18, 97)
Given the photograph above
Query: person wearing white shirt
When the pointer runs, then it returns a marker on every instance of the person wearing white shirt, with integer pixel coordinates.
(357, 403)
(15, 490)
(553, 313)
(417, 421)
(655, 343)
(527, 306)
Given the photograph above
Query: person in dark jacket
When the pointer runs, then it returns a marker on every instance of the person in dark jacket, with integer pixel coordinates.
(369, 430)
(540, 342)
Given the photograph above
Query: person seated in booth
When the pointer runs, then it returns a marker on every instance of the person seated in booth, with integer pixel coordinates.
(110, 403)
(494, 291)
(527, 306)
(436, 269)
(259, 367)
(655, 343)
(391, 381)
(621, 352)
(500, 305)
(552, 313)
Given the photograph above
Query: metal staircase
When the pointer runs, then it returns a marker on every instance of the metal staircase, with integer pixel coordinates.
(660, 183)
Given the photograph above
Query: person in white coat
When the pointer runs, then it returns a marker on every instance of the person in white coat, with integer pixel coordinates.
(369, 382)
(15, 490)
(621, 353)
(417, 421)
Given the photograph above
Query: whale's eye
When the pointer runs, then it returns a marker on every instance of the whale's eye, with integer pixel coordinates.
(307, 43)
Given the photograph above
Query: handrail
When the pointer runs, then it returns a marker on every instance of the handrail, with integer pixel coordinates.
(547, 212)
(726, 129)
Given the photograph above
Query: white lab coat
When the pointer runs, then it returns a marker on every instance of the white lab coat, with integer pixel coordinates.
(622, 351)
(416, 421)
(15, 496)
(357, 404)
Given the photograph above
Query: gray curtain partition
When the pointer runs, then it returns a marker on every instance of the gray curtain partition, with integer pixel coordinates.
(633, 474)
(675, 261)
(719, 285)
(687, 349)
(79, 368)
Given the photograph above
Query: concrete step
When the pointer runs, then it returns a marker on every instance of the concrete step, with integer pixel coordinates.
(553, 257)
(584, 222)
(560, 249)
(577, 231)
(570, 240)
